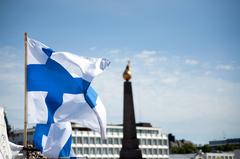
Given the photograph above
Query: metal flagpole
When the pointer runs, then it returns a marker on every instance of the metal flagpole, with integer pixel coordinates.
(25, 93)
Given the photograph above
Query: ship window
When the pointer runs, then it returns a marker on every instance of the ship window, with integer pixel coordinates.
(113, 130)
(160, 142)
(165, 151)
(150, 151)
(160, 151)
(86, 151)
(155, 151)
(92, 151)
(91, 140)
(79, 140)
(110, 151)
(79, 150)
(118, 130)
(140, 131)
(98, 150)
(144, 151)
(154, 142)
(149, 142)
(144, 141)
(74, 140)
(110, 141)
(165, 142)
(104, 150)
(116, 141)
(98, 140)
(104, 141)
(116, 151)
(85, 140)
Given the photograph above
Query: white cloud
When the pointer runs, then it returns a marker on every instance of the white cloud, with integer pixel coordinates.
(208, 73)
(170, 80)
(162, 59)
(226, 67)
(147, 56)
(191, 62)
(150, 57)
(92, 48)
(115, 51)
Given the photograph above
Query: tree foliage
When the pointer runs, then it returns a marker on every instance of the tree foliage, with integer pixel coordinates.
(206, 148)
(228, 147)
(184, 149)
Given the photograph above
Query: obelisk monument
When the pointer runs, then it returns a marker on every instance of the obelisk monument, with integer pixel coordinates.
(130, 144)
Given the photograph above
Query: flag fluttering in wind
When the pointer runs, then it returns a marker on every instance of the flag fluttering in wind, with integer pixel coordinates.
(59, 91)
(58, 87)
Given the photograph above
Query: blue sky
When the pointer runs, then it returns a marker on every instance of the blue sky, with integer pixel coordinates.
(185, 58)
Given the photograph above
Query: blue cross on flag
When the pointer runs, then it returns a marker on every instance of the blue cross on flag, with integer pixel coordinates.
(59, 88)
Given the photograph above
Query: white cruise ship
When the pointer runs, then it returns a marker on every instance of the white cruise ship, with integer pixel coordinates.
(86, 143)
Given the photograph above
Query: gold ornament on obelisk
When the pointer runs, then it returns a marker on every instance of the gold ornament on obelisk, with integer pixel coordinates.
(127, 74)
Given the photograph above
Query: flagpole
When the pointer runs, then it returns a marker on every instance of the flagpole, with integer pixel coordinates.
(25, 93)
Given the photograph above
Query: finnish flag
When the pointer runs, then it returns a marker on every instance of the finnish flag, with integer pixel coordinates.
(59, 88)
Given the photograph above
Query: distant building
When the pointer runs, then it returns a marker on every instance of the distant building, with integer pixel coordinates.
(224, 155)
(181, 156)
(17, 136)
(86, 143)
(171, 140)
(177, 146)
(171, 137)
(216, 143)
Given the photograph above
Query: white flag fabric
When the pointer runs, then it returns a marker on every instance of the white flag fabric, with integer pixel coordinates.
(57, 137)
(5, 151)
(54, 140)
(59, 88)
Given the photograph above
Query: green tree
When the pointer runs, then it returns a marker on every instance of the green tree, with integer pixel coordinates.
(189, 148)
(206, 148)
(184, 149)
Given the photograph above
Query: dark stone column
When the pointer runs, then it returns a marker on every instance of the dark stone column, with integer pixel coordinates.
(130, 145)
